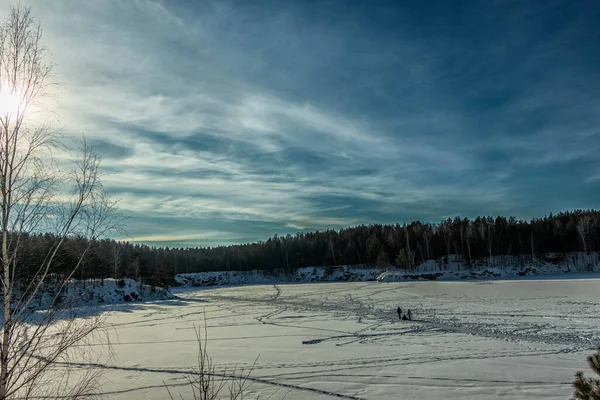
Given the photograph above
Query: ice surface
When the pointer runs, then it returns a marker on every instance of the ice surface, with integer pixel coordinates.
(471, 339)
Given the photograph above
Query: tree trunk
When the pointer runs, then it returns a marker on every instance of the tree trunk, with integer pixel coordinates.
(532, 248)
(6, 298)
(408, 251)
(469, 250)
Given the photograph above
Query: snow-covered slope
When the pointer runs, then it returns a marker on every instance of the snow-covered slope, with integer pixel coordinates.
(304, 275)
(107, 291)
(497, 267)
(454, 269)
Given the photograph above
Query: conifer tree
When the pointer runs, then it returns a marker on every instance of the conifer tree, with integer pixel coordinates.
(588, 388)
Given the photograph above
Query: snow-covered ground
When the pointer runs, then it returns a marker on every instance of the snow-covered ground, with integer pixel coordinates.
(346, 273)
(511, 339)
(97, 292)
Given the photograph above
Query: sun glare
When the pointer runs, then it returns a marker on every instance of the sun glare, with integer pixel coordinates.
(11, 101)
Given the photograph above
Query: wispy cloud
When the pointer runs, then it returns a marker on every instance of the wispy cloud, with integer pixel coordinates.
(594, 177)
(180, 238)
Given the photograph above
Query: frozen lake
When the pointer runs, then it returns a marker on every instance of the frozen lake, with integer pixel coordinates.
(481, 340)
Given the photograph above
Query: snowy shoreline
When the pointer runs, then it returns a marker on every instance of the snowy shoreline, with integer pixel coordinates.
(98, 293)
(111, 291)
(573, 265)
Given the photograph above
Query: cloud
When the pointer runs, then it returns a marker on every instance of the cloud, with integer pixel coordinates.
(294, 226)
(594, 177)
(179, 238)
(273, 117)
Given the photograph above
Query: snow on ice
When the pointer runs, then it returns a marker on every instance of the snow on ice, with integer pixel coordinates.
(480, 339)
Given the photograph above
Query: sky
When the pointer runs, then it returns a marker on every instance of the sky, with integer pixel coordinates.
(225, 122)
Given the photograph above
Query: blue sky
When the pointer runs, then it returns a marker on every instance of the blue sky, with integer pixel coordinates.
(229, 121)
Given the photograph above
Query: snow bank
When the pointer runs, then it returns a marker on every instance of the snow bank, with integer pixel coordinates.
(107, 291)
(309, 274)
(487, 273)
(497, 268)
(454, 269)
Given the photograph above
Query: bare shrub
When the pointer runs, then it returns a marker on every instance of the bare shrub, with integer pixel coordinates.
(209, 384)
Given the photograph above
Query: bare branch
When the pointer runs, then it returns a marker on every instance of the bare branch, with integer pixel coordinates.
(207, 384)
(33, 198)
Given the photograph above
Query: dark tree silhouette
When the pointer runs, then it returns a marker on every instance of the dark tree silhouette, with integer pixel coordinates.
(506, 241)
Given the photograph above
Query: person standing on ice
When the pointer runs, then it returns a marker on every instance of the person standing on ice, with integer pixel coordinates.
(399, 311)
(409, 314)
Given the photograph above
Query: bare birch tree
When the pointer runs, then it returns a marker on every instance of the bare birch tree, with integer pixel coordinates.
(409, 253)
(584, 225)
(461, 232)
(38, 337)
(486, 237)
(469, 233)
(490, 240)
(427, 236)
(136, 269)
(531, 243)
(116, 260)
(447, 233)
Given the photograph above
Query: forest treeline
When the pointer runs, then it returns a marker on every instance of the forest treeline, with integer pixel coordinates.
(405, 245)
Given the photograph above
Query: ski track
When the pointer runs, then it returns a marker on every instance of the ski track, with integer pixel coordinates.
(445, 320)
(190, 371)
(532, 332)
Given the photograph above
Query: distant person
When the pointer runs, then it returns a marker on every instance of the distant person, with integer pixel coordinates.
(409, 315)
(399, 311)
(404, 318)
